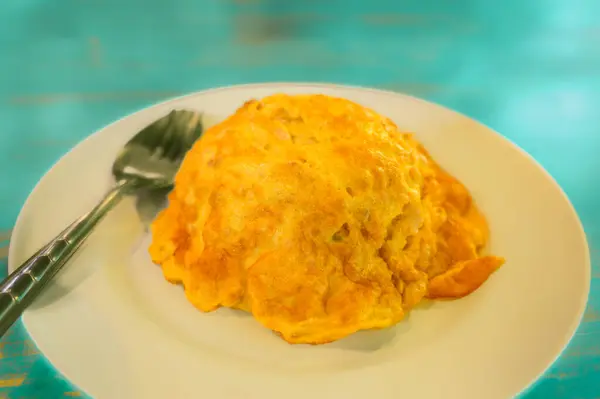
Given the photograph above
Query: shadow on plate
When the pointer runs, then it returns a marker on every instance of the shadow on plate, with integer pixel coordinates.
(371, 340)
(111, 241)
(374, 340)
(361, 341)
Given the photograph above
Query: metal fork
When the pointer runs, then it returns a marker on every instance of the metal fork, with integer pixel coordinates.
(148, 161)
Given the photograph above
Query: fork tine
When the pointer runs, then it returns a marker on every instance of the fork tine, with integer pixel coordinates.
(195, 129)
(174, 146)
(170, 137)
(188, 127)
(174, 139)
(169, 141)
(155, 152)
(151, 135)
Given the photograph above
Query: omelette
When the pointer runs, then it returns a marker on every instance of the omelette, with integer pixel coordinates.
(320, 218)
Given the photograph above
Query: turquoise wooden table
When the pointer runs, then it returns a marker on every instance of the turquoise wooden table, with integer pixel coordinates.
(530, 69)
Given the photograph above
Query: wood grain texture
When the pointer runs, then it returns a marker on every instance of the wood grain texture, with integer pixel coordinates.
(531, 70)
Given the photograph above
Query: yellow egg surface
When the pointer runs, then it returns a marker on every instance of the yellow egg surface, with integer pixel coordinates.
(320, 218)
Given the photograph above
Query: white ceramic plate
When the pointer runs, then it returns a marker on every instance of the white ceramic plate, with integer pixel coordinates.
(115, 328)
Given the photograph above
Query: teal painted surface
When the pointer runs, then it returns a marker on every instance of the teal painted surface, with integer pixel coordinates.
(531, 70)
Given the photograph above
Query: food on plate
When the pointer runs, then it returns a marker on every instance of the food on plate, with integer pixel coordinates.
(319, 217)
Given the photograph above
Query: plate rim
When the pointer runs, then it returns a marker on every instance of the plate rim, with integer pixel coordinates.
(532, 384)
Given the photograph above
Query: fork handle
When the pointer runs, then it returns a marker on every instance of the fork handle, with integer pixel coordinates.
(23, 285)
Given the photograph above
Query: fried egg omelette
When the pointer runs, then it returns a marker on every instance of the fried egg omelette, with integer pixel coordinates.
(319, 217)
